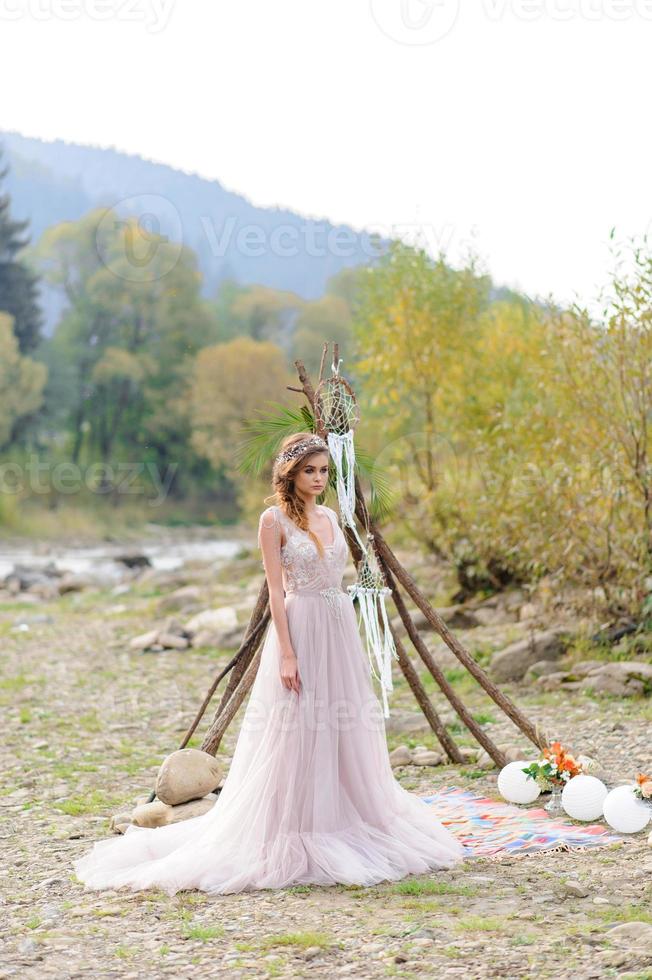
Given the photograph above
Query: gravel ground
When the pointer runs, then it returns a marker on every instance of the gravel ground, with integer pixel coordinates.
(87, 722)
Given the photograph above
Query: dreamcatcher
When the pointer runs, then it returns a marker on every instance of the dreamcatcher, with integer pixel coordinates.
(337, 413)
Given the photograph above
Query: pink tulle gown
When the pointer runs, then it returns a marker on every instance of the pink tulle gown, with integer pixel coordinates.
(310, 797)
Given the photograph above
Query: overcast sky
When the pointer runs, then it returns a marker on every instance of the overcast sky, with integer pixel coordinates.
(522, 126)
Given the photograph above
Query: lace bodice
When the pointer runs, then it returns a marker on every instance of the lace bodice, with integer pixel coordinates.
(302, 566)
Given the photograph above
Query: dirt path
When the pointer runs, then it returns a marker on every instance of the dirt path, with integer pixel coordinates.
(87, 723)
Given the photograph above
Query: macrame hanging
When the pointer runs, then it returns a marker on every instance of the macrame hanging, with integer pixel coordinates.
(336, 410)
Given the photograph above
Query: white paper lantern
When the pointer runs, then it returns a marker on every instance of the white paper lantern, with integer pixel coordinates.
(515, 786)
(625, 812)
(583, 797)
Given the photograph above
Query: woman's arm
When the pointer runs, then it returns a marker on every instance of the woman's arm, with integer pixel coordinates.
(269, 541)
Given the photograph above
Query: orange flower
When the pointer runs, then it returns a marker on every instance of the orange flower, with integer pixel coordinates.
(645, 783)
(564, 760)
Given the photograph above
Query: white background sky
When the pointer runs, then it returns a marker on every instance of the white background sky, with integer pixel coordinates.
(524, 125)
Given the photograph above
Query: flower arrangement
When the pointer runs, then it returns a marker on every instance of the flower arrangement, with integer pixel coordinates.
(643, 787)
(556, 766)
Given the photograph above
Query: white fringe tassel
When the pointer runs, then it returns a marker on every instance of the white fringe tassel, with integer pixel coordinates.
(380, 644)
(341, 448)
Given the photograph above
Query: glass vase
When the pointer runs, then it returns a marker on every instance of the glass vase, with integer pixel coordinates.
(553, 806)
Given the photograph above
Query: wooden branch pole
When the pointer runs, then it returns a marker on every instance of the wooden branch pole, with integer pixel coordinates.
(390, 562)
(261, 609)
(440, 678)
(533, 732)
(244, 665)
(248, 647)
(445, 740)
(223, 720)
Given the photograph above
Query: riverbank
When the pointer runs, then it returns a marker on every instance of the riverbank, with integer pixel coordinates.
(88, 722)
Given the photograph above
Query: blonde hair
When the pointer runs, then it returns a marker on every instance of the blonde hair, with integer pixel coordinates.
(283, 474)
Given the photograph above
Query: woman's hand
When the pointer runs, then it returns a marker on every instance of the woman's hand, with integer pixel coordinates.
(290, 672)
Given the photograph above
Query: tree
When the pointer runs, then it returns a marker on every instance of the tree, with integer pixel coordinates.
(18, 286)
(21, 381)
(416, 321)
(134, 322)
(230, 381)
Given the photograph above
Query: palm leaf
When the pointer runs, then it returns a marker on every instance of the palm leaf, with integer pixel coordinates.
(264, 433)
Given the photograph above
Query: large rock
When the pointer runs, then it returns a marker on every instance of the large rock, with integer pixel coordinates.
(427, 758)
(154, 814)
(187, 774)
(622, 678)
(632, 934)
(170, 636)
(194, 808)
(145, 641)
(220, 620)
(512, 663)
(400, 756)
(540, 669)
(23, 578)
(171, 641)
(119, 820)
(183, 598)
(159, 814)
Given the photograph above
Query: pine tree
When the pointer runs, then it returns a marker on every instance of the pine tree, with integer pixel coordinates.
(18, 286)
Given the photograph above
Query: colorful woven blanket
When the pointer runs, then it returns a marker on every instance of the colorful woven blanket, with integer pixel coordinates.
(494, 829)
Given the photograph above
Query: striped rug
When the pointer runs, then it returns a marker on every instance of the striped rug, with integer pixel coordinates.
(495, 829)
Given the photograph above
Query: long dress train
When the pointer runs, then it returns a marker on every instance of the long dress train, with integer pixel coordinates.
(310, 796)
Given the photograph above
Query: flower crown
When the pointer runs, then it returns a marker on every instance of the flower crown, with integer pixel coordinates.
(315, 443)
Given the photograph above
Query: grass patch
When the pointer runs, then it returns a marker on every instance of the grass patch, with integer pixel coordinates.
(301, 939)
(94, 802)
(12, 685)
(451, 952)
(480, 923)
(625, 913)
(124, 952)
(204, 933)
(423, 905)
(428, 887)
(484, 718)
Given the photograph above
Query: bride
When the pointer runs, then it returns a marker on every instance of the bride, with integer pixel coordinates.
(310, 796)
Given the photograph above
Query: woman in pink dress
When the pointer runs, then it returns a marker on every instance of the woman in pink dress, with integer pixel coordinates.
(310, 796)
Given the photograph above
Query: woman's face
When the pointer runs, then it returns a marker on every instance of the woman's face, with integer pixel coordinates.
(312, 478)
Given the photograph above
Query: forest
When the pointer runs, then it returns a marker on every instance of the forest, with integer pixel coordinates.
(513, 434)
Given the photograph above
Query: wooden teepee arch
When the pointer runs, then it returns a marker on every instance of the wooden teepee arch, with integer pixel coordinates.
(243, 665)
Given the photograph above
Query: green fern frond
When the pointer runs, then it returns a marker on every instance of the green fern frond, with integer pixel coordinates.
(264, 434)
